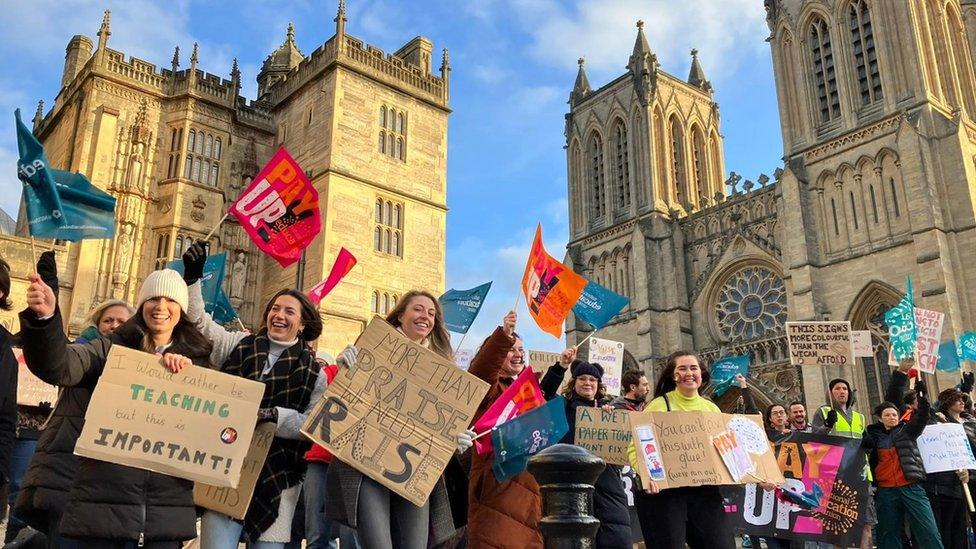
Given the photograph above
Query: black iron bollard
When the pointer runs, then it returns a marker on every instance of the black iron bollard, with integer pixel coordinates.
(566, 474)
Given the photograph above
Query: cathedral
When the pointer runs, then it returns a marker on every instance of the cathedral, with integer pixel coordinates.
(877, 104)
(175, 146)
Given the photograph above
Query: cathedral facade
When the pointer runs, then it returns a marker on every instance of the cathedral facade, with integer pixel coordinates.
(876, 103)
(176, 146)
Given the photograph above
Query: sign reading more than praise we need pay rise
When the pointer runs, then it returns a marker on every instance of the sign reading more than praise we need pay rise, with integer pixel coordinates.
(396, 414)
(196, 424)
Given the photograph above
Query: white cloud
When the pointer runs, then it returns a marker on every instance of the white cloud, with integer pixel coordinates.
(726, 32)
(488, 73)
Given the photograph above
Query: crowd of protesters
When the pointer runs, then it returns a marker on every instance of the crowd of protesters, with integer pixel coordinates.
(304, 494)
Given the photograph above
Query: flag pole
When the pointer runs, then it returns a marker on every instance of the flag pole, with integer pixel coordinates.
(239, 321)
(479, 435)
(212, 231)
(454, 354)
(33, 251)
(588, 336)
(518, 296)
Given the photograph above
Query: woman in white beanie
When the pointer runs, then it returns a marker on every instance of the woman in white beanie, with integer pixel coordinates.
(112, 506)
(278, 355)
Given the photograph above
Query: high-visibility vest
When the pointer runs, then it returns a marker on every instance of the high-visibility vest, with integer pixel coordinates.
(854, 429)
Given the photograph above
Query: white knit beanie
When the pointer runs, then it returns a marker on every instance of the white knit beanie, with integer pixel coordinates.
(165, 283)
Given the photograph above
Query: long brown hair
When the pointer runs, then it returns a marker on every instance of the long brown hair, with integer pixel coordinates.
(665, 382)
(440, 341)
(186, 337)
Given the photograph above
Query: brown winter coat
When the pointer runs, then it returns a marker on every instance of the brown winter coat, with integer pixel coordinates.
(500, 514)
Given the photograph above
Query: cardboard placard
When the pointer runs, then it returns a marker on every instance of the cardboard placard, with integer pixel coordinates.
(540, 361)
(861, 344)
(196, 424)
(820, 343)
(604, 434)
(677, 448)
(396, 415)
(929, 333)
(234, 502)
(945, 447)
(610, 355)
(31, 391)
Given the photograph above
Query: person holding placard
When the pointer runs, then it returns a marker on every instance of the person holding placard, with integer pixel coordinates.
(692, 515)
(8, 392)
(586, 388)
(945, 489)
(382, 518)
(501, 514)
(115, 506)
(898, 473)
(279, 356)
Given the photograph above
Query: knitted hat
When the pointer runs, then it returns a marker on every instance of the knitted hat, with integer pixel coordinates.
(835, 381)
(165, 283)
(581, 368)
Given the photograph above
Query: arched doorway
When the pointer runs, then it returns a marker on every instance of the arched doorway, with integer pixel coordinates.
(867, 313)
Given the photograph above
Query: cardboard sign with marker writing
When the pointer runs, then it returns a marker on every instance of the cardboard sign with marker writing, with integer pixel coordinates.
(610, 355)
(31, 391)
(396, 415)
(540, 361)
(234, 502)
(677, 448)
(820, 343)
(196, 424)
(862, 344)
(605, 434)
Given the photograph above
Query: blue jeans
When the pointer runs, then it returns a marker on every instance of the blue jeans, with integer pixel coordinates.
(318, 527)
(218, 531)
(19, 460)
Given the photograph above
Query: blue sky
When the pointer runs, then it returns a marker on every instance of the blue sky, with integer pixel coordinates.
(513, 65)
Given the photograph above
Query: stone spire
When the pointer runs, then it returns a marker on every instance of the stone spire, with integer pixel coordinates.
(446, 73)
(290, 35)
(104, 31)
(235, 79)
(340, 19)
(696, 77)
(39, 114)
(643, 67)
(235, 71)
(280, 62)
(582, 86)
(193, 57)
(176, 59)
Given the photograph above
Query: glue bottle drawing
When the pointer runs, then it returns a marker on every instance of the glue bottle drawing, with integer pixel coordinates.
(652, 457)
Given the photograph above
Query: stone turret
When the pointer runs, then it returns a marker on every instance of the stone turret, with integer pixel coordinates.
(279, 63)
(417, 52)
(76, 54)
(582, 87)
(643, 67)
(696, 76)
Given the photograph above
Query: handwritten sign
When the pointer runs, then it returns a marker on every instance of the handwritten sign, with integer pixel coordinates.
(610, 355)
(605, 434)
(945, 447)
(861, 343)
(463, 358)
(820, 343)
(677, 448)
(929, 333)
(540, 361)
(733, 455)
(234, 502)
(396, 415)
(196, 424)
(31, 391)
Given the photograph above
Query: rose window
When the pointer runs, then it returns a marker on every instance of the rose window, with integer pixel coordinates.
(751, 303)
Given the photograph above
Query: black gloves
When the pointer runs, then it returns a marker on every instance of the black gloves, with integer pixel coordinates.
(967, 382)
(193, 260)
(920, 388)
(831, 419)
(268, 414)
(47, 268)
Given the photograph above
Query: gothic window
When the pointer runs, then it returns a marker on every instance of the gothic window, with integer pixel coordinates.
(162, 250)
(169, 168)
(865, 55)
(382, 116)
(597, 182)
(374, 304)
(216, 152)
(200, 141)
(191, 141)
(960, 54)
(208, 147)
(874, 203)
(698, 158)
(173, 145)
(622, 172)
(196, 169)
(382, 146)
(393, 133)
(854, 211)
(214, 171)
(660, 161)
(824, 75)
(751, 304)
(833, 210)
(388, 229)
(894, 196)
(386, 303)
(188, 170)
(678, 160)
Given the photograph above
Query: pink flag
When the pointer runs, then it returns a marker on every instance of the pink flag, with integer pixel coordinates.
(344, 263)
(280, 209)
(521, 396)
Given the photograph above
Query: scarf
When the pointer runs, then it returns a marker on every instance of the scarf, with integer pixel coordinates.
(288, 385)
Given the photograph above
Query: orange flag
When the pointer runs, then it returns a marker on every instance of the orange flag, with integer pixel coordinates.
(549, 287)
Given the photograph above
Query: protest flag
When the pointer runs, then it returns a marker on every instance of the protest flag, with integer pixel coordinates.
(215, 300)
(280, 209)
(60, 205)
(521, 396)
(967, 346)
(526, 435)
(461, 307)
(724, 370)
(948, 357)
(344, 263)
(902, 328)
(597, 305)
(550, 288)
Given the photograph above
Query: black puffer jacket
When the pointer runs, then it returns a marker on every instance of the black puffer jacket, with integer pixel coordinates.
(105, 500)
(8, 405)
(609, 498)
(902, 437)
